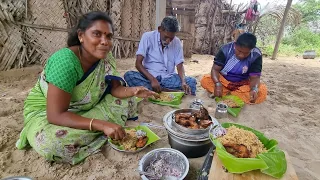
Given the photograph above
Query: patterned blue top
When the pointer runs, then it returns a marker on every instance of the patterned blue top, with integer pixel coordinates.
(236, 70)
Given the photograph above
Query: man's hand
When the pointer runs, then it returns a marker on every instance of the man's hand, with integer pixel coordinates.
(155, 85)
(186, 88)
(253, 96)
(218, 91)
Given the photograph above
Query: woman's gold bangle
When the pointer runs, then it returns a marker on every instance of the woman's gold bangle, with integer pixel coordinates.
(90, 126)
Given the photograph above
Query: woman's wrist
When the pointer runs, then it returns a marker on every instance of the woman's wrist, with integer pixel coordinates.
(129, 91)
(255, 89)
(97, 125)
(218, 84)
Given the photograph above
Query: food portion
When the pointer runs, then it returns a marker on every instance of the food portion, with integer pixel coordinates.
(197, 120)
(241, 143)
(133, 140)
(166, 97)
(164, 164)
(230, 103)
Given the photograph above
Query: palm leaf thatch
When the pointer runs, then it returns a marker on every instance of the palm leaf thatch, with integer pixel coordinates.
(277, 11)
(11, 43)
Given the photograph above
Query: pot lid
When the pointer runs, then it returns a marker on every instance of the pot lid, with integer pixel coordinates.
(167, 121)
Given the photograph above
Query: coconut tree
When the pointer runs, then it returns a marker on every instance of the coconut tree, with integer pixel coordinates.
(285, 15)
(277, 12)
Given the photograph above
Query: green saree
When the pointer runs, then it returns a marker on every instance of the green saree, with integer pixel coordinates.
(91, 98)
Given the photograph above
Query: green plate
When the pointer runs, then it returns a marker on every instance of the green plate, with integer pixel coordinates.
(174, 103)
(152, 137)
(273, 162)
(233, 111)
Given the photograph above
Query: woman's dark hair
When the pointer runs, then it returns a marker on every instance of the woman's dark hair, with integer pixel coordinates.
(247, 40)
(84, 23)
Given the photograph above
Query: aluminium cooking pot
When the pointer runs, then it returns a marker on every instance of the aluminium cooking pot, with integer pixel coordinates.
(191, 145)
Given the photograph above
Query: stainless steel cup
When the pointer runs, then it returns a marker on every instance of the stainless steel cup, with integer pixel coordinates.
(221, 111)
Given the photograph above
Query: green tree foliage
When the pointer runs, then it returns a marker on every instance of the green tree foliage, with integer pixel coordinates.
(297, 39)
(310, 10)
(302, 38)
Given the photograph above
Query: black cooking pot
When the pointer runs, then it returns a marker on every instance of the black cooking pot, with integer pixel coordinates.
(190, 148)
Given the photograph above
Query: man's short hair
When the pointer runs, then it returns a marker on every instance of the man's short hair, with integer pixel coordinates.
(170, 24)
(247, 40)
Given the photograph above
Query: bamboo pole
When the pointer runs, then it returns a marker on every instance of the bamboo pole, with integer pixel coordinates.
(285, 15)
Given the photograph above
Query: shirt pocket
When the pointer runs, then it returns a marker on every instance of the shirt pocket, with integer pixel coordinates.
(170, 65)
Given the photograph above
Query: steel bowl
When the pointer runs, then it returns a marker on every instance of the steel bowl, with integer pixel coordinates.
(152, 155)
(190, 148)
(188, 130)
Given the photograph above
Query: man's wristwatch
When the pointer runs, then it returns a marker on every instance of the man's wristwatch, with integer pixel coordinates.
(218, 84)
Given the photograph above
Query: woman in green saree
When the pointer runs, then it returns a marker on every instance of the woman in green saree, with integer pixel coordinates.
(79, 98)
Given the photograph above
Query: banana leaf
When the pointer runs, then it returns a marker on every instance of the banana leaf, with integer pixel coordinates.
(176, 101)
(233, 111)
(273, 162)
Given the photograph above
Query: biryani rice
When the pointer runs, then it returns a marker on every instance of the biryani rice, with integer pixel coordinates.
(129, 142)
(236, 135)
(165, 97)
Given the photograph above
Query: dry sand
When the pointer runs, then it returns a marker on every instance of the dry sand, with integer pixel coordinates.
(291, 115)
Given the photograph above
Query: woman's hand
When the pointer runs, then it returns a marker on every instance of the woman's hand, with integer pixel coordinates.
(253, 96)
(218, 91)
(143, 92)
(112, 130)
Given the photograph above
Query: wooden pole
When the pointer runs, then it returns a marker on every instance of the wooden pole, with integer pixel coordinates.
(285, 15)
(160, 12)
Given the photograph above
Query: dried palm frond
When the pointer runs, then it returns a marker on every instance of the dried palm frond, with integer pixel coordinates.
(4, 34)
(145, 16)
(116, 16)
(277, 11)
(136, 19)
(11, 48)
(12, 10)
(153, 14)
(126, 18)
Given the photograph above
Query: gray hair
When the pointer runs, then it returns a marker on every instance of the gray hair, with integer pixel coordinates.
(170, 24)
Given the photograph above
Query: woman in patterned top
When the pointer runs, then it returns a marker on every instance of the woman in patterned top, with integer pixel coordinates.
(237, 70)
(79, 98)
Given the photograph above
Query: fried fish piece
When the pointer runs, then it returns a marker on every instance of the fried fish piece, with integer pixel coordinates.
(184, 122)
(205, 123)
(201, 114)
(141, 142)
(182, 115)
(194, 125)
(238, 150)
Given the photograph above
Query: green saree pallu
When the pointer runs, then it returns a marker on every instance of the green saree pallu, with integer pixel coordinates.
(91, 98)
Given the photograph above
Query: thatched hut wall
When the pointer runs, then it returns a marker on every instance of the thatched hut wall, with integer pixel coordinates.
(31, 32)
(213, 26)
(47, 13)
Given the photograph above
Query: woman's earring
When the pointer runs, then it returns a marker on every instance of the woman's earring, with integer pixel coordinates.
(81, 41)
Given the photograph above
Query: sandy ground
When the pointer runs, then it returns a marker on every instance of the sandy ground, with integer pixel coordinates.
(290, 115)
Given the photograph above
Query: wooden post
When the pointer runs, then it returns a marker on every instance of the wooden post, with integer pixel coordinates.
(285, 15)
(160, 11)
